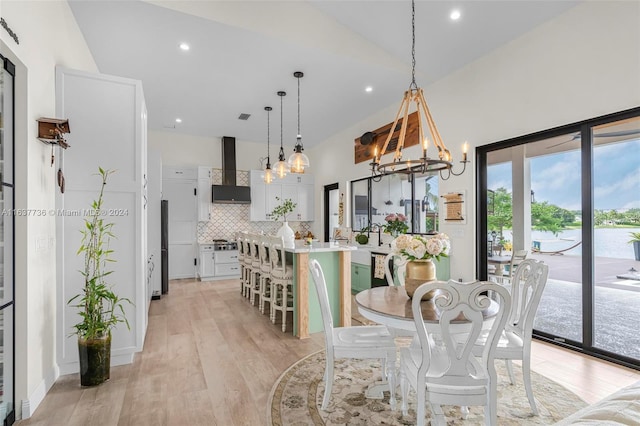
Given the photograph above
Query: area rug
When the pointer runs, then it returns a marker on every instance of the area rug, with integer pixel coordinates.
(296, 397)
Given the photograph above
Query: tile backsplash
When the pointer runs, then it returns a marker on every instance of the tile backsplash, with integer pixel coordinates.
(226, 219)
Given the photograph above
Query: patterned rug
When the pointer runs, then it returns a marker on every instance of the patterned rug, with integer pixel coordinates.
(297, 395)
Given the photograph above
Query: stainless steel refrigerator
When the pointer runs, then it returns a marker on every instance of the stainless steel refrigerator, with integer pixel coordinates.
(164, 245)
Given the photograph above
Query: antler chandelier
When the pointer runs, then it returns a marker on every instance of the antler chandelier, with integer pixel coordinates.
(424, 164)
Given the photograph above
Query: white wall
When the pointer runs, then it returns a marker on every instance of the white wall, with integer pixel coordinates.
(583, 64)
(179, 149)
(39, 51)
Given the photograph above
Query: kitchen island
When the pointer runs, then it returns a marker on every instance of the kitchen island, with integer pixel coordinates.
(335, 260)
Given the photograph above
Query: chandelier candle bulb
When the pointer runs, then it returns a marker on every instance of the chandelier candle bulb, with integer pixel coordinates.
(464, 152)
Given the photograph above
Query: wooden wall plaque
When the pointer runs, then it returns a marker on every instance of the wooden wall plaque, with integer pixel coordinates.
(365, 144)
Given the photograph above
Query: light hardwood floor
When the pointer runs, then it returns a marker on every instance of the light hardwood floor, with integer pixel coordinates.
(210, 358)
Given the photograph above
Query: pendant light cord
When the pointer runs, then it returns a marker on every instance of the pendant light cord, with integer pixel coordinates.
(268, 134)
(281, 155)
(413, 84)
(298, 107)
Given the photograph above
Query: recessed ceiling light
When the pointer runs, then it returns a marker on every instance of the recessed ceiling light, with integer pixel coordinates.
(178, 120)
(184, 46)
(368, 89)
(455, 15)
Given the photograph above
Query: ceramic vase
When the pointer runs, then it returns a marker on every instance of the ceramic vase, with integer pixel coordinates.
(418, 272)
(287, 234)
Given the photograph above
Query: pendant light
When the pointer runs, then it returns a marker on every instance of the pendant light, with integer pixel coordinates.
(281, 168)
(298, 161)
(268, 173)
(423, 165)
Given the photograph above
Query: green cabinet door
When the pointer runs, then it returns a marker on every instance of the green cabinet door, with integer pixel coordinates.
(360, 277)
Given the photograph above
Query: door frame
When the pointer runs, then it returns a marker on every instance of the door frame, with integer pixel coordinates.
(327, 190)
(588, 260)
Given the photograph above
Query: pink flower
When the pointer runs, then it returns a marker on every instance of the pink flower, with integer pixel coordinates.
(391, 217)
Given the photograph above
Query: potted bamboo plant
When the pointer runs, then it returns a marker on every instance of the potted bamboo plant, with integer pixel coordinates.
(99, 307)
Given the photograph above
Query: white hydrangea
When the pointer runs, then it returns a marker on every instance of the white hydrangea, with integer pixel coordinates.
(401, 243)
(435, 246)
(416, 249)
(419, 247)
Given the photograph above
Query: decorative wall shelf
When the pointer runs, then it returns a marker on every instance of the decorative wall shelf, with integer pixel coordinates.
(50, 131)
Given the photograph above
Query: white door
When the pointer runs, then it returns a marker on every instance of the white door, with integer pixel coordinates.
(183, 222)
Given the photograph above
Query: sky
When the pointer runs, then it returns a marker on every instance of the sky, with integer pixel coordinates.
(555, 178)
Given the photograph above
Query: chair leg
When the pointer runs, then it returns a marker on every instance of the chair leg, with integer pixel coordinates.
(275, 288)
(391, 379)
(438, 415)
(464, 412)
(526, 375)
(421, 390)
(509, 365)
(404, 390)
(328, 381)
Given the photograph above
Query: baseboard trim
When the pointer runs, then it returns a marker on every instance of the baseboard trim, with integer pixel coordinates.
(119, 359)
(29, 406)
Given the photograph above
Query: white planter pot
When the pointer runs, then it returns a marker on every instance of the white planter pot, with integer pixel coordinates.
(287, 234)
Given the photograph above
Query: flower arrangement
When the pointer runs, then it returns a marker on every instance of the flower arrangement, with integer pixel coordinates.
(417, 247)
(395, 224)
(283, 209)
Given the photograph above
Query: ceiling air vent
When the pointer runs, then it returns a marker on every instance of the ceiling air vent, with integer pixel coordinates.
(244, 116)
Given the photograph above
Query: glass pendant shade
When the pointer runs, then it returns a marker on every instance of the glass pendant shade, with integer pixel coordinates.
(281, 168)
(268, 175)
(298, 160)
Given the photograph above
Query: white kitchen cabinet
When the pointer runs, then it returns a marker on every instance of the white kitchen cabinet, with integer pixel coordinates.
(297, 188)
(207, 261)
(109, 121)
(258, 207)
(306, 205)
(204, 194)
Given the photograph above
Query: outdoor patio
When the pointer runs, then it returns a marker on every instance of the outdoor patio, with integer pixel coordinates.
(617, 302)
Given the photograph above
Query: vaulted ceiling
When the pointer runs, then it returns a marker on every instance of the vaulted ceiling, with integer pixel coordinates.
(242, 52)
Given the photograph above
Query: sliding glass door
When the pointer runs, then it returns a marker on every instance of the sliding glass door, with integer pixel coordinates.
(570, 197)
(616, 216)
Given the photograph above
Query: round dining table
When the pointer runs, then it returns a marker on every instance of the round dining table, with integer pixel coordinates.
(391, 306)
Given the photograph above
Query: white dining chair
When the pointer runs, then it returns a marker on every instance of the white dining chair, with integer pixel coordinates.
(527, 284)
(400, 269)
(443, 369)
(517, 257)
(358, 342)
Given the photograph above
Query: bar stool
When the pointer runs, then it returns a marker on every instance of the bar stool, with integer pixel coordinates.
(254, 276)
(281, 281)
(239, 238)
(265, 273)
(247, 264)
